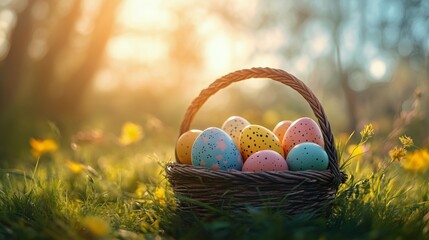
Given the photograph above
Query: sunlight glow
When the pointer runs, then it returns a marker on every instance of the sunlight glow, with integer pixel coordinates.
(267, 59)
(105, 81)
(319, 45)
(7, 21)
(218, 53)
(141, 14)
(147, 30)
(146, 49)
(302, 65)
(272, 39)
(317, 39)
(377, 68)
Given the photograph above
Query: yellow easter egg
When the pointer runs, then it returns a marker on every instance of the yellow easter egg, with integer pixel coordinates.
(255, 138)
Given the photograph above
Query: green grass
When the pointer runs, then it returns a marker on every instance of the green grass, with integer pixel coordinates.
(124, 192)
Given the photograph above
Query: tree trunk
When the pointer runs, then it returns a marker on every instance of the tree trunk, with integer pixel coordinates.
(349, 93)
(75, 88)
(46, 66)
(13, 65)
(350, 96)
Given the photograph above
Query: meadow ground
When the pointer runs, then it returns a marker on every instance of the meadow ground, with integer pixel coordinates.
(95, 190)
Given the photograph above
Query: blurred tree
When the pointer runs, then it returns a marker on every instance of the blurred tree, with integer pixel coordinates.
(63, 31)
(44, 86)
(366, 37)
(13, 66)
(76, 86)
(47, 97)
(330, 45)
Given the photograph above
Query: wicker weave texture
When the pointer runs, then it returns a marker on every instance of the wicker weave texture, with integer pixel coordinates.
(291, 192)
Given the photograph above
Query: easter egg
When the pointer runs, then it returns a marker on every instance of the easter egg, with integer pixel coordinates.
(255, 138)
(307, 156)
(302, 130)
(184, 146)
(265, 160)
(215, 149)
(233, 126)
(281, 128)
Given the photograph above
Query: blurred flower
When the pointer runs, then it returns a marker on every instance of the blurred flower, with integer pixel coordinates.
(367, 132)
(356, 151)
(96, 226)
(416, 161)
(39, 147)
(91, 136)
(406, 141)
(397, 153)
(75, 167)
(131, 133)
(154, 123)
(141, 190)
(160, 196)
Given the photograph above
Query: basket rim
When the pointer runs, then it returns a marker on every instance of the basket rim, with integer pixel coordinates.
(174, 168)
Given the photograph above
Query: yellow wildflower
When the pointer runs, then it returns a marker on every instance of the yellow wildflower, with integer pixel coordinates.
(406, 141)
(367, 132)
(141, 190)
(160, 196)
(357, 151)
(131, 133)
(416, 161)
(397, 153)
(39, 147)
(96, 226)
(75, 167)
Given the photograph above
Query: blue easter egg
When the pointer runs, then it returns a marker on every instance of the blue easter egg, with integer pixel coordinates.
(307, 156)
(215, 149)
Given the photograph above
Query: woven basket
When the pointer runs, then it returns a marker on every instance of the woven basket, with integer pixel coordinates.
(204, 191)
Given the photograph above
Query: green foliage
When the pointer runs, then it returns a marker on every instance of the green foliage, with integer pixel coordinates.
(30, 210)
(124, 194)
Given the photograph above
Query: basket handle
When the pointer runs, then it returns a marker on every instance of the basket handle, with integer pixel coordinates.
(279, 76)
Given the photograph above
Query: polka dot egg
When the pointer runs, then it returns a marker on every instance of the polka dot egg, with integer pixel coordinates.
(255, 138)
(233, 126)
(265, 160)
(302, 130)
(307, 156)
(215, 149)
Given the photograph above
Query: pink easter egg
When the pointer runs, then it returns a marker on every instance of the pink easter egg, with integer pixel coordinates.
(265, 160)
(302, 130)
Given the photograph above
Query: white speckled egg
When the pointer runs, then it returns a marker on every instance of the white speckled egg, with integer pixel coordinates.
(265, 160)
(255, 138)
(233, 126)
(302, 130)
(184, 145)
(307, 156)
(215, 149)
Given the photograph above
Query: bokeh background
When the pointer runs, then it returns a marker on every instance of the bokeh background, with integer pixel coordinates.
(74, 69)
